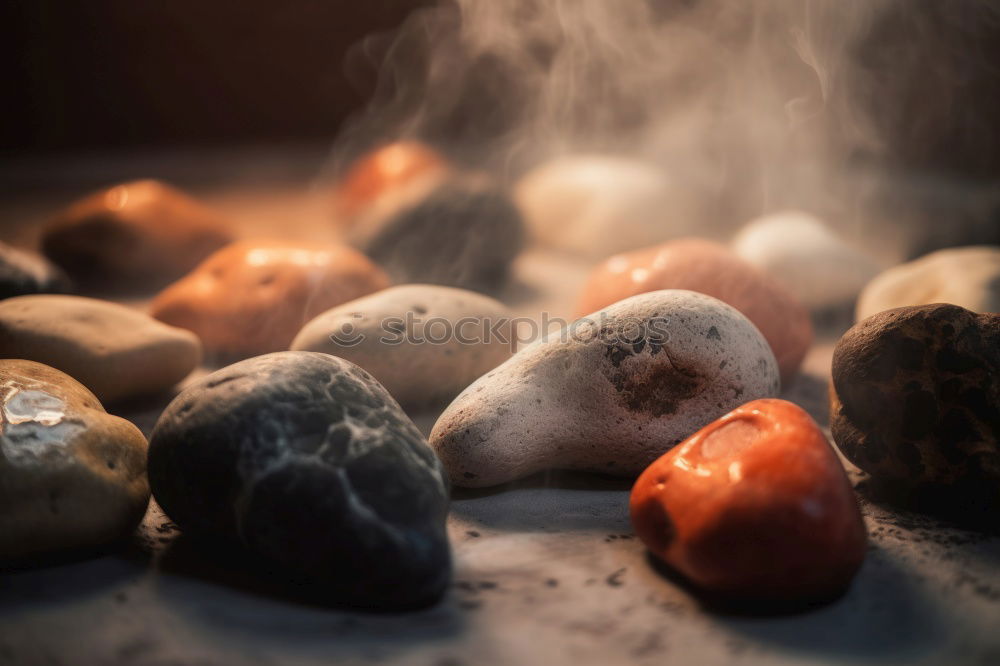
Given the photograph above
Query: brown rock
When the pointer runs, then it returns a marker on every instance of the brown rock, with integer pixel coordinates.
(252, 297)
(915, 396)
(136, 235)
(709, 268)
(754, 505)
(71, 475)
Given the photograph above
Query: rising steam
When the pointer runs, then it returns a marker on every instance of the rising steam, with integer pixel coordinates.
(753, 105)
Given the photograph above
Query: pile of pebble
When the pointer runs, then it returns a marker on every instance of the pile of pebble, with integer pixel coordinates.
(297, 446)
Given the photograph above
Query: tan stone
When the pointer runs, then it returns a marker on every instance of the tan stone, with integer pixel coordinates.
(115, 351)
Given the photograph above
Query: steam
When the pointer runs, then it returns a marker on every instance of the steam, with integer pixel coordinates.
(753, 105)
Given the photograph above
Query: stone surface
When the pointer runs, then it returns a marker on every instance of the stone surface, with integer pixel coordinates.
(385, 178)
(115, 351)
(463, 232)
(755, 505)
(615, 394)
(812, 262)
(916, 396)
(709, 268)
(595, 205)
(137, 235)
(23, 272)
(968, 277)
(423, 343)
(251, 297)
(72, 476)
(306, 461)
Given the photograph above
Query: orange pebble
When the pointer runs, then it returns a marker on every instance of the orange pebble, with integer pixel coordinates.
(755, 505)
(252, 297)
(394, 165)
(709, 268)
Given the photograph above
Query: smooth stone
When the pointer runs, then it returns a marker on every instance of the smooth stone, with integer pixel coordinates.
(23, 272)
(915, 397)
(755, 505)
(596, 205)
(812, 262)
(72, 476)
(115, 351)
(609, 393)
(709, 268)
(252, 297)
(136, 235)
(424, 343)
(464, 232)
(968, 277)
(306, 461)
(383, 179)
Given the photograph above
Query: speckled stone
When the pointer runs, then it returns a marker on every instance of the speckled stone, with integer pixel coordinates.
(23, 272)
(755, 505)
(629, 383)
(252, 296)
(709, 268)
(133, 236)
(424, 343)
(916, 396)
(305, 460)
(71, 475)
(967, 276)
(464, 233)
(115, 351)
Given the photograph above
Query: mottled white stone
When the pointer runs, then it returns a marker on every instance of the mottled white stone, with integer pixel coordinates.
(631, 381)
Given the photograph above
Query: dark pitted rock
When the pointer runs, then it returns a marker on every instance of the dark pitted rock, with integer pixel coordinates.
(916, 396)
(464, 233)
(305, 460)
(23, 272)
(71, 475)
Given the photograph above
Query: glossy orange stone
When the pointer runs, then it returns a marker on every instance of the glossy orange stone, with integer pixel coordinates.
(252, 297)
(755, 505)
(710, 268)
(379, 172)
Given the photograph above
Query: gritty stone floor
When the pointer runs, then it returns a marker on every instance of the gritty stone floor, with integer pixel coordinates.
(547, 570)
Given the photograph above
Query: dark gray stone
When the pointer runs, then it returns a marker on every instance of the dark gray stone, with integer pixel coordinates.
(462, 234)
(23, 272)
(304, 459)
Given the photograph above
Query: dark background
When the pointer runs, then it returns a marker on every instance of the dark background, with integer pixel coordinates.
(105, 74)
(126, 73)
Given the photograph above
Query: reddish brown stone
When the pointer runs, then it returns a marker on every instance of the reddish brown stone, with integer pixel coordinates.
(915, 397)
(755, 505)
(141, 234)
(709, 268)
(252, 297)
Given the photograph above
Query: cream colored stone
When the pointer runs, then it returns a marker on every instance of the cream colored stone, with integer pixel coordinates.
(424, 343)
